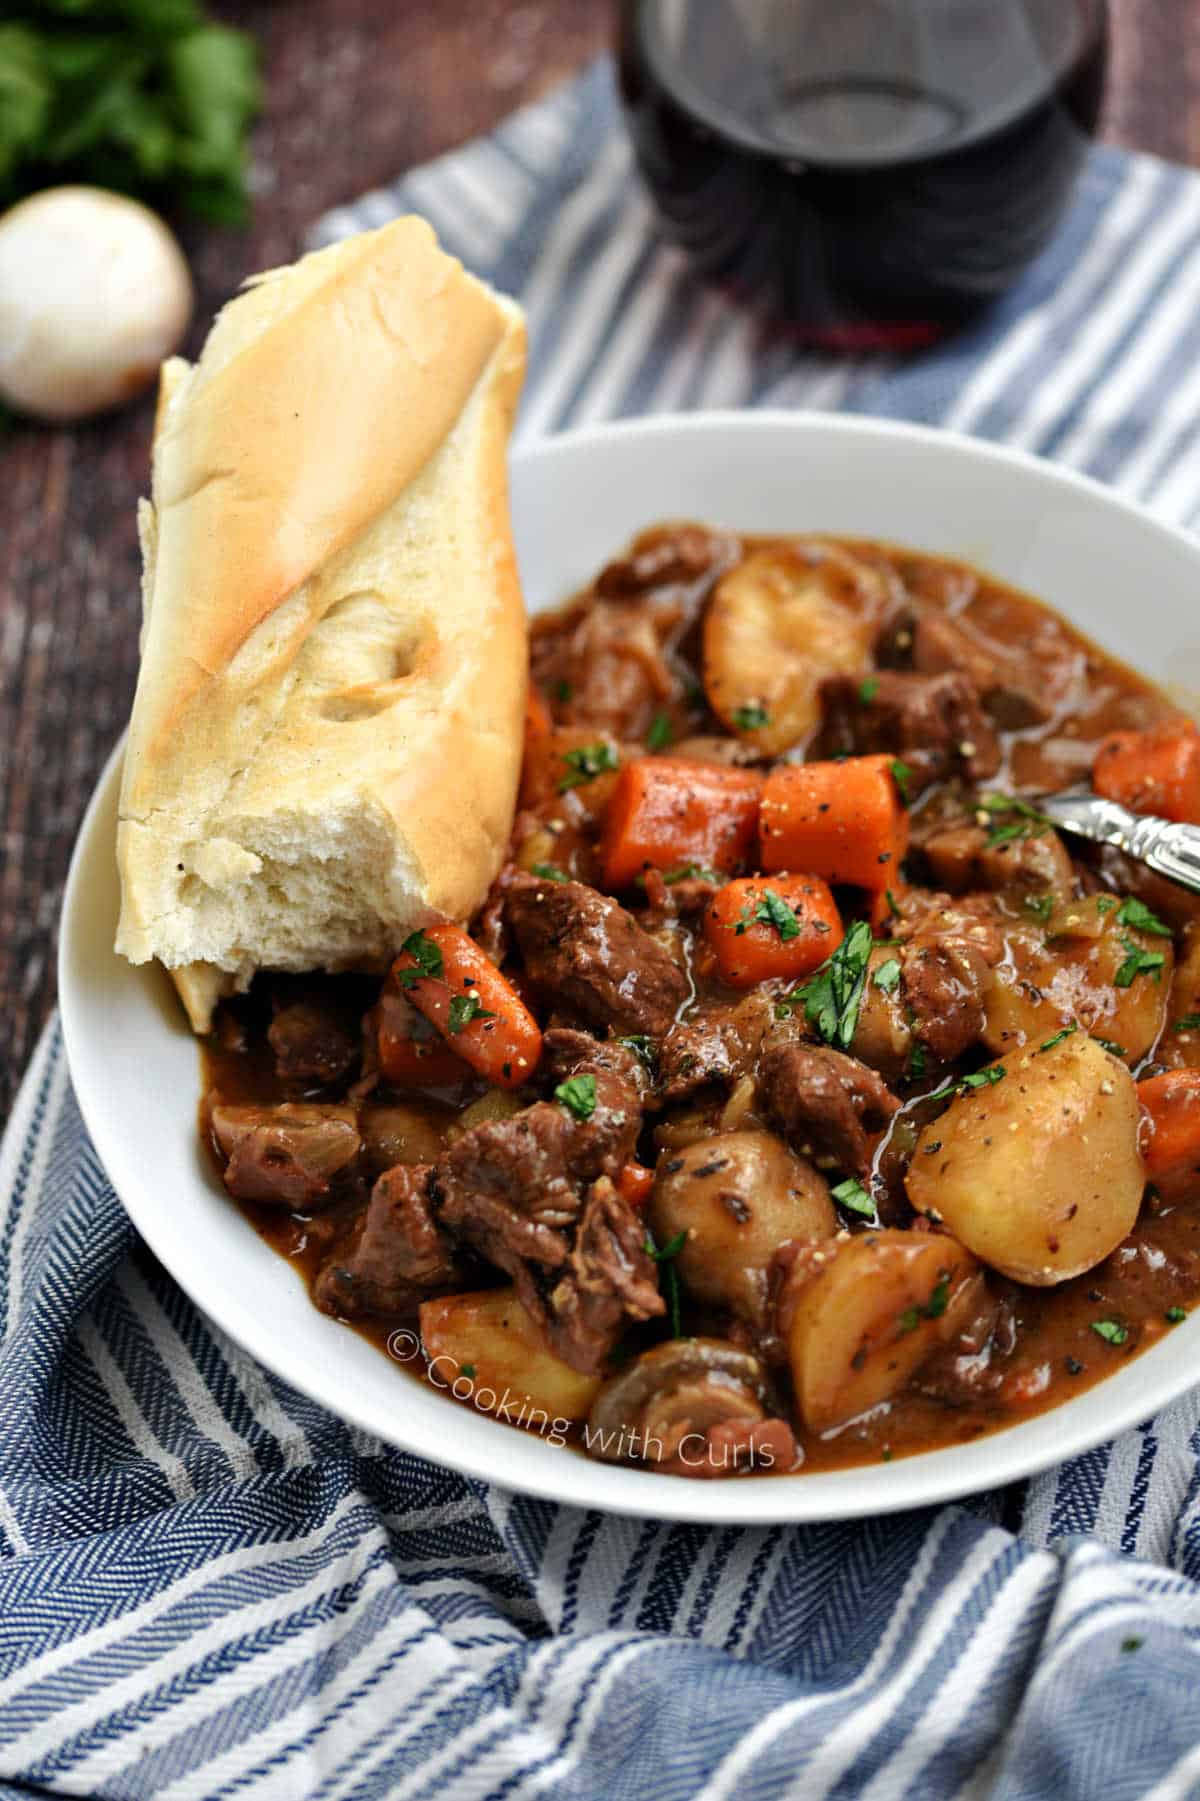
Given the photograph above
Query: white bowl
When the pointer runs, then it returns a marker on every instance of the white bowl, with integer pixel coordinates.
(1129, 581)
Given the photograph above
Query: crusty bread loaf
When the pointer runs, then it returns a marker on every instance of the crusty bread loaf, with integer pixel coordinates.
(326, 737)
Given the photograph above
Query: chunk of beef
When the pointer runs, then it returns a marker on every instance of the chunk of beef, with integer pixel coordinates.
(700, 1050)
(523, 1192)
(606, 663)
(923, 913)
(944, 981)
(394, 1255)
(585, 948)
(286, 1156)
(948, 946)
(566, 1053)
(960, 857)
(313, 1045)
(674, 554)
(611, 661)
(931, 642)
(825, 1103)
(685, 898)
(935, 722)
(716, 1043)
(608, 1279)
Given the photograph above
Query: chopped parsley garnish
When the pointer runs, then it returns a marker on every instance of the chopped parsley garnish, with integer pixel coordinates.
(834, 995)
(1110, 1331)
(578, 1095)
(665, 1258)
(661, 732)
(855, 1198)
(1111, 1046)
(466, 1007)
(643, 1049)
(868, 690)
(1048, 1044)
(902, 774)
(887, 976)
(467, 1369)
(563, 692)
(690, 872)
(917, 1061)
(1138, 963)
(586, 763)
(982, 1078)
(425, 954)
(1190, 1022)
(773, 911)
(550, 872)
(1105, 903)
(751, 717)
(1132, 1643)
(1137, 916)
(1173, 1315)
(933, 1308)
(1027, 823)
(1040, 905)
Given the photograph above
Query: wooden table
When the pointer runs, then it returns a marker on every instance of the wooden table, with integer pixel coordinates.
(357, 90)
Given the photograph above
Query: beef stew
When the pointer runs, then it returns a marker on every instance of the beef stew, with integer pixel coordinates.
(798, 1097)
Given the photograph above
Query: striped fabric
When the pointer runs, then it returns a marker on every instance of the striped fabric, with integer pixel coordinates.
(209, 1587)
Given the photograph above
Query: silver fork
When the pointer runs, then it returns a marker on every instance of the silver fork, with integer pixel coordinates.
(1168, 848)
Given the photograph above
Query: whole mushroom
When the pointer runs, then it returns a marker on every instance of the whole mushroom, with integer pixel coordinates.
(94, 294)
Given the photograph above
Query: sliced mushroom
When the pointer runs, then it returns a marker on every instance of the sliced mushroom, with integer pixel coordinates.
(285, 1156)
(690, 1407)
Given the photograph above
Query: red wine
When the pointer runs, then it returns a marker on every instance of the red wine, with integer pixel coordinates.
(876, 169)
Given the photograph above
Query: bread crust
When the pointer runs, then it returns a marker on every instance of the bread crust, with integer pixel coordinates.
(326, 736)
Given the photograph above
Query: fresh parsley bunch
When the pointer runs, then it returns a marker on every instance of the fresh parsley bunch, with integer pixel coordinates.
(144, 96)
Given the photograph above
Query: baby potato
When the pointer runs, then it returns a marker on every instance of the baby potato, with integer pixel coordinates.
(877, 1309)
(1038, 1173)
(488, 1350)
(778, 623)
(1066, 972)
(738, 1196)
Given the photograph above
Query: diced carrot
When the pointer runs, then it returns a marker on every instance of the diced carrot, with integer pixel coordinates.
(538, 723)
(1155, 771)
(1171, 1130)
(762, 927)
(478, 1011)
(576, 762)
(845, 821)
(667, 812)
(634, 1183)
(411, 1058)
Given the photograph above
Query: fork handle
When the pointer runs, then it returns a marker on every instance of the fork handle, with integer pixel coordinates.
(1166, 847)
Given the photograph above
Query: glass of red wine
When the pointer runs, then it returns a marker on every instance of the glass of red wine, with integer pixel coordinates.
(877, 170)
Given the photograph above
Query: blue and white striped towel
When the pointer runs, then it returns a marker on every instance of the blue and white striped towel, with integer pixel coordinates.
(210, 1587)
